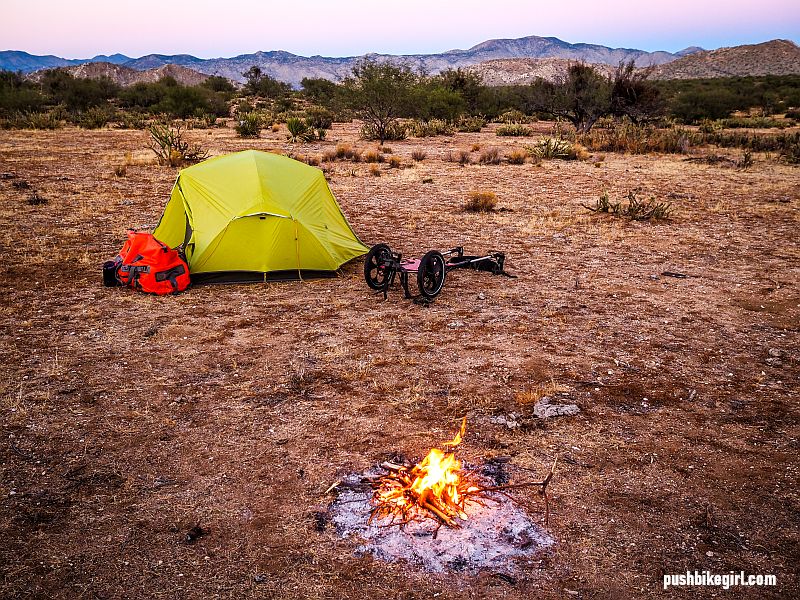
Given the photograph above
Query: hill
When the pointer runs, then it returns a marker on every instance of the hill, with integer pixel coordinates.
(776, 57)
(522, 71)
(126, 76)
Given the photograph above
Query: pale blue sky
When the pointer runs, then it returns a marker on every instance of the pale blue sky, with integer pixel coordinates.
(84, 28)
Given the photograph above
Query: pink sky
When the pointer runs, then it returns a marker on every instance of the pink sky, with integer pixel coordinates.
(84, 28)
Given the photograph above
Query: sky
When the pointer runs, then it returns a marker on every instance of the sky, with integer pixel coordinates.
(224, 28)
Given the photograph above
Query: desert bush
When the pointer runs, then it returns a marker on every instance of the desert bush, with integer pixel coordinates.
(514, 130)
(375, 170)
(791, 152)
(481, 201)
(379, 92)
(553, 148)
(373, 156)
(755, 123)
(516, 157)
(490, 156)
(96, 117)
(36, 120)
(394, 131)
(35, 199)
(756, 142)
(793, 113)
(746, 161)
(319, 118)
(259, 83)
(434, 127)
(512, 117)
(347, 151)
(131, 120)
(418, 155)
(635, 139)
(470, 124)
(299, 131)
(395, 162)
(243, 107)
(635, 209)
(463, 157)
(248, 125)
(120, 170)
(474, 147)
(170, 148)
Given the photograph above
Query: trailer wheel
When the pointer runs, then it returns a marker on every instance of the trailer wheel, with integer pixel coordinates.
(374, 271)
(431, 274)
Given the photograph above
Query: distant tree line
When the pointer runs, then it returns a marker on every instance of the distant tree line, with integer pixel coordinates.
(382, 93)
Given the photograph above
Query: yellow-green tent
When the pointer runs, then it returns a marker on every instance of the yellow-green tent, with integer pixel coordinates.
(257, 216)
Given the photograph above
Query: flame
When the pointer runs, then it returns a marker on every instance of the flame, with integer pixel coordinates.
(436, 484)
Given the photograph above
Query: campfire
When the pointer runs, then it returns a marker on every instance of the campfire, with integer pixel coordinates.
(437, 487)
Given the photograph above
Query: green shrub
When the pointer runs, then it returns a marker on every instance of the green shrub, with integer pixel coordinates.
(553, 148)
(299, 131)
(514, 130)
(131, 120)
(472, 124)
(394, 131)
(248, 125)
(755, 123)
(96, 117)
(512, 117)
(39, 120)
(430, 128)
(319, 118)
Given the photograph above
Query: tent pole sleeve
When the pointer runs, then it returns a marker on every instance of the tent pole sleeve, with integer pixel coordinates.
(297, 249)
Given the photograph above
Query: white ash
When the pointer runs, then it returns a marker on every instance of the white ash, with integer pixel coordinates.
(498, 536)
(546, 408)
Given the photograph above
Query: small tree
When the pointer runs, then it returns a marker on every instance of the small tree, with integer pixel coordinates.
(581, 96)
(380, 93)
(634, 96)
(260, 84)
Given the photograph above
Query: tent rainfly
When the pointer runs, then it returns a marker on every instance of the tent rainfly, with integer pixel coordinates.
(257, 216)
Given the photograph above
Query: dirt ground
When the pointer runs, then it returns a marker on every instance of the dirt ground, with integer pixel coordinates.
(127, 419)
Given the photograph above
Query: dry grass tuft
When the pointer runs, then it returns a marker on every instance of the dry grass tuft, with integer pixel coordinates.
(418, 155)
(517, 157)
(481, 201)
(374, 170)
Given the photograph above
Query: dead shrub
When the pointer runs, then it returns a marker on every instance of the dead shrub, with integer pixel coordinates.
(120, 170)
(481, 201)
(374, 170)
(395, 162)
(418, 155)
(490, 156)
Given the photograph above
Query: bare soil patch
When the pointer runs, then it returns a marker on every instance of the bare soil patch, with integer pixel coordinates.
(127, 420)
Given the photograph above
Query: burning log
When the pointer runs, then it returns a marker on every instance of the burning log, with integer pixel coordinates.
(438, 486)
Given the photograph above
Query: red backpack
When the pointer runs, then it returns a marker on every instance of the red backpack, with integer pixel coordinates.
(148, 265)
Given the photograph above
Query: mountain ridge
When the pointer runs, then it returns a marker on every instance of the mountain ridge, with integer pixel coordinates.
(292, 68)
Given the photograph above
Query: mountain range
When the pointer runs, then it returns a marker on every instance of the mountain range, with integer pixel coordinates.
(499, 62)
(292, 68)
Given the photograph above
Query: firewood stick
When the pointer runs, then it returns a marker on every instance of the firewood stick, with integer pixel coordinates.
(439, 514)
(390, 466)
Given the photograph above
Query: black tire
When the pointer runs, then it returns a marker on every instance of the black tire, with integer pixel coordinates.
(375, 275)
(431, 274)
